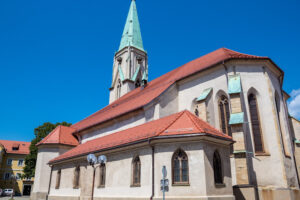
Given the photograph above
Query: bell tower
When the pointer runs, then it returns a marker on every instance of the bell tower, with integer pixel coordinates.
(130, 67)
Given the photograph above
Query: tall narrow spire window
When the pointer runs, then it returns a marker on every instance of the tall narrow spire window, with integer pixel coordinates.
(255, 123)
(118, 94)
(224, 114)
(180, 168)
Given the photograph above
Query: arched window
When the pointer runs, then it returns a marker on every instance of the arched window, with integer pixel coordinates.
(76, 178)
(224, 113)
(136, 171)
(58, 176)
(118, 94)
(180, 168)
(255, 123)
(102, 174)
(217, 164)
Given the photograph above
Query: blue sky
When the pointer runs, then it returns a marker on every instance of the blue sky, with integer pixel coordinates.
(56, 56)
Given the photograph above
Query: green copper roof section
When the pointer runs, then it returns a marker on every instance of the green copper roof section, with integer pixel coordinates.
(132, 32)
(204, 94)
(236, 118)
(121, 73)
(297, 141)
(136, 73)
(234, 84)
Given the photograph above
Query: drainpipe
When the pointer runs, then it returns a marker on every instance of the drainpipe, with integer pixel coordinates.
(49, 183)
(152, 148)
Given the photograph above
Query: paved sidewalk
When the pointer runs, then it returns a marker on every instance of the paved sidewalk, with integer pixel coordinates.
(16, 198)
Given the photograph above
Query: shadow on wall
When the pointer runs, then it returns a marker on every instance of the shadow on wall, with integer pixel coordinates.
(238, 194)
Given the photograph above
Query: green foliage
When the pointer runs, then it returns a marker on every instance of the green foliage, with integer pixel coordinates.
(40, 133)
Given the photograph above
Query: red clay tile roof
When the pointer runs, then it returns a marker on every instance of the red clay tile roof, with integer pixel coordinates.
(181, 123)
(142, 96)
(22, 147)
(60, 135)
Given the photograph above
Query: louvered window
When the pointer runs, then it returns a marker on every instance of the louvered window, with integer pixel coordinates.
(136, 171)
(217, 165)
(255, 123)
(224, 113)
(180, 169)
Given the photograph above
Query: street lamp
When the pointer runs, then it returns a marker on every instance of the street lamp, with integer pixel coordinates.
(92, 160)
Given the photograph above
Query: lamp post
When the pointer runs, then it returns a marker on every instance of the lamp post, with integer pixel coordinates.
(92, 161)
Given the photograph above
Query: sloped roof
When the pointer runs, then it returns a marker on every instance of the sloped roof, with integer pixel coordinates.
(181, 123)
(60, 135)
(20, 147)
(142, 96)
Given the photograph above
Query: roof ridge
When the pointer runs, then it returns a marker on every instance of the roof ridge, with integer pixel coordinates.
(172, 122)
(59, 133)
(190, 115)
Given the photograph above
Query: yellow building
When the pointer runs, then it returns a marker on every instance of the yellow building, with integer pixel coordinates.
(12, 162)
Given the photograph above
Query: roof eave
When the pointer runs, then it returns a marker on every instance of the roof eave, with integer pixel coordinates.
(148, 140)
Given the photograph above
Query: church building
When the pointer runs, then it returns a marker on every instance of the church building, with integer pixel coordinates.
(215, 128)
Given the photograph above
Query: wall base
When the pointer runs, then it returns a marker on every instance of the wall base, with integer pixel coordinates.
(221, 197)
(38, 195)
(248, 192)
(278, 194)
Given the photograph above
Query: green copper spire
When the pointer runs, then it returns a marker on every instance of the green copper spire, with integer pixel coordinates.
(132, 31)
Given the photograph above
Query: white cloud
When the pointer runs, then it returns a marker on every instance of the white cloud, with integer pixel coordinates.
(294, 104)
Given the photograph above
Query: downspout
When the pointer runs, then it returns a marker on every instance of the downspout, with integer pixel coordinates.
(152, 149)
(49, 183)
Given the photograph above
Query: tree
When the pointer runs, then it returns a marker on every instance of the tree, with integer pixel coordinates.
(40, 133)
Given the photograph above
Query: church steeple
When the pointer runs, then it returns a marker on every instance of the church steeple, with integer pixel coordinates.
(130, 69)
(132, 32)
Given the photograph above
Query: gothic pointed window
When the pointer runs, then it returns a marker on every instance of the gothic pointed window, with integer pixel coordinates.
(180, 169)
(118, 93)
(217, 165)
(136, 171)
(102, 174)
(58, 177)
(76, 179)
(255, 123)
(224, 113)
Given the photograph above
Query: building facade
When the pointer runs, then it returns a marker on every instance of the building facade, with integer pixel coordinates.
(219, 124)
(12, 162)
